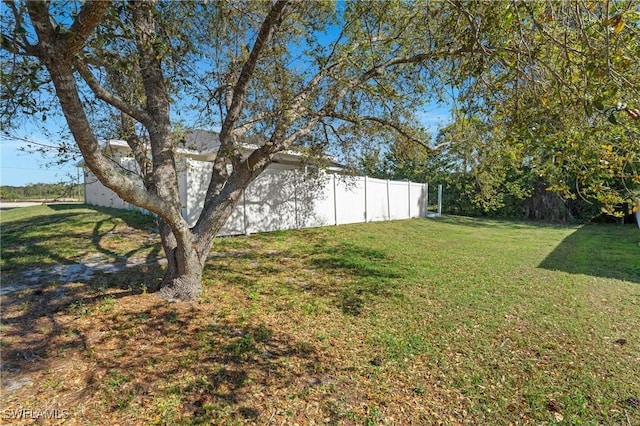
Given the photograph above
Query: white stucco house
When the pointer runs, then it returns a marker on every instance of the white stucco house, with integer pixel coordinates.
(290, 194)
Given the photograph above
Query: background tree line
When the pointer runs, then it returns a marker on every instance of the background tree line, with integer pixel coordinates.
(547, 119)
(482, 176)
(44, 191)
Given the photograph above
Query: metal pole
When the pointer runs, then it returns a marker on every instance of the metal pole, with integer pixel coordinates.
(426, 200)
(440, 200)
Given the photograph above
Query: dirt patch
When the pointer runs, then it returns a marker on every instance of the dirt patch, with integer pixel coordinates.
(82, 271)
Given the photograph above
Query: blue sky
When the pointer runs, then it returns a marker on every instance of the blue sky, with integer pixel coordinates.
(18, 168)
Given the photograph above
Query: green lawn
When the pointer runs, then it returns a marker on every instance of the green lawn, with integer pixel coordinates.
(449, 321)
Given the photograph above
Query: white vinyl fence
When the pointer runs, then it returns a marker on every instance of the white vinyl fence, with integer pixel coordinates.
(288, 199)
(281, 199)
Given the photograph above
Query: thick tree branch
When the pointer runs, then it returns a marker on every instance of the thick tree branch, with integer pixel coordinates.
(267, 30)
(243, 128)
(42, 24)
(159, 128)
(66, 44)
(52, 52)
(101, 166)
(228, 147)
(82, 27)
(110, 98)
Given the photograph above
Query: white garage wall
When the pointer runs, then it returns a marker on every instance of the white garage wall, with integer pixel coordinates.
(96, 194)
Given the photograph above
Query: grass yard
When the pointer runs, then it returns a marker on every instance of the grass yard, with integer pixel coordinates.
(446, 321)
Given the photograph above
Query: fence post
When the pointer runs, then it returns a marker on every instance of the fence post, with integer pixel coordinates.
(335, 201)
(426, 200)
(366, 219)
(244, 212)
(409, 196)
(295, 197)
(84, 185)
(440, 200)
(388, 202)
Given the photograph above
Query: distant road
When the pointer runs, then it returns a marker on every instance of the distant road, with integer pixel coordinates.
(6, 205)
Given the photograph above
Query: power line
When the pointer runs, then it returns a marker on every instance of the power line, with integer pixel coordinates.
(27, 168)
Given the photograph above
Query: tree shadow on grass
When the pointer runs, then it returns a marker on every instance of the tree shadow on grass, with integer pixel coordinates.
(607, 251)
(105, 342)
(132, 218)
(56, 247)
(352, 274)
(365, 273)
(169, 361)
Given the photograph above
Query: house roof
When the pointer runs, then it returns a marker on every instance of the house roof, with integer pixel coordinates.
(198, 143)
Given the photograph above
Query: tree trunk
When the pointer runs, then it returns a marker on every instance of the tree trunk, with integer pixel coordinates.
(182, 279)
(187, 249)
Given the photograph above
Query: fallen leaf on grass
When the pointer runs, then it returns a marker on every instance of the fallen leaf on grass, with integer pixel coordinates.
(553, 406)
(377, 361)
(633, 401)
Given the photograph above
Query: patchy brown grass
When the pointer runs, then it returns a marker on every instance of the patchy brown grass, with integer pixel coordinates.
(414, 322)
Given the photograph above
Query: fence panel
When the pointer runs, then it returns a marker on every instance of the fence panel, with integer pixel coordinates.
(315, 200)
(270, 202)
(349, 198)
(417, 199)
(377, 201)
(398, 200)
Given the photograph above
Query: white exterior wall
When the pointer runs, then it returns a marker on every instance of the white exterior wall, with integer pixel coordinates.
(95, 193)
(287, 198)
